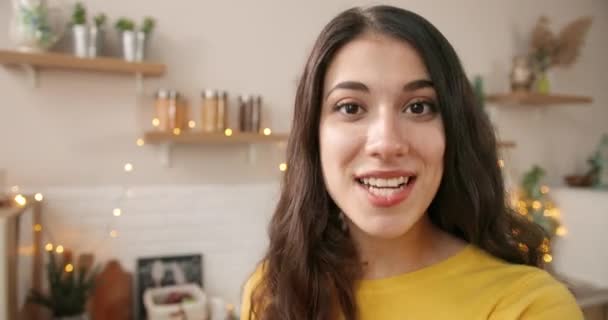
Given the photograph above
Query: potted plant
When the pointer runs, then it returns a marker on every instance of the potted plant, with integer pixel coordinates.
(35, 25)
(96, 35)
(126, 29)
(79, 30)
(69, 288)
(143, 37)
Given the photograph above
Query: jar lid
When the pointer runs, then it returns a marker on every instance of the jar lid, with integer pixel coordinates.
(210, 93)
(162, 93)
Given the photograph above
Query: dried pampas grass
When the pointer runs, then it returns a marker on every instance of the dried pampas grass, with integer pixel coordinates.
(550, 50)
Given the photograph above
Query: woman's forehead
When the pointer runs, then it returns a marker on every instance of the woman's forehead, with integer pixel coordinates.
(376, 59)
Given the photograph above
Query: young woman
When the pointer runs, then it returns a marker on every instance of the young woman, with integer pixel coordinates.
(393, 206)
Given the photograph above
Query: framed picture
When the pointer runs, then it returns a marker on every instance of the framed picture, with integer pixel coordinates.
(157, 272)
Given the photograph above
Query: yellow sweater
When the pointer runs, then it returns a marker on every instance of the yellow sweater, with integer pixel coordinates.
(469, 285)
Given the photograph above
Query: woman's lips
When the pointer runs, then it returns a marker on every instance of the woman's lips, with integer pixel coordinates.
(387, 196)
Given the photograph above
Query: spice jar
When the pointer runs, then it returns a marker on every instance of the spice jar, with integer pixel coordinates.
(244, 113)
(177, 111)
(210, 111)
(222, 112)
(250, 113)
(161, 113)
(256, 114)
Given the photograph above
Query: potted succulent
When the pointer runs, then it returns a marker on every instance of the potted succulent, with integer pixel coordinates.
(69, 289)
(126, 29)
(79, 30)
(96, 35)
(143, 37)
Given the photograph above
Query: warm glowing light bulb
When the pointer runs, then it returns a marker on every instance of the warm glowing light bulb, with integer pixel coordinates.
(155, 122)
(561, 231)
(191, 124)
(37, 227)
(283, 167)
(547, 258)
(140, 142)
(536, 205)
(21, 200)
(113, 233)
(69, 267)
(228, 132)
(59, 249)
(38, 197)
(128, 167)
(544, 189)
(177, 131)
(501, 163)
(117, 212)
(267, 131)
(48, 247)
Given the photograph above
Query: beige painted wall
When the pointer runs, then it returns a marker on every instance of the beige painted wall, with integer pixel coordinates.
(79, 128)
(71, 136)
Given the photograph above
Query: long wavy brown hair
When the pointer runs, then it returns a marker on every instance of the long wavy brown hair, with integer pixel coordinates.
(311, 266)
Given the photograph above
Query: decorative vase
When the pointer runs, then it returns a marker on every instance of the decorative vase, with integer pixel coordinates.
(543, 85)
(129, 45)
(96, 42)
(34, 25)
(80, 40)
(134, 45)
(141, 39)
(522, 75)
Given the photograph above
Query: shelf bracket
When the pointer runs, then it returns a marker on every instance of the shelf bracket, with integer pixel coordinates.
(32, 75)
(139, 83)
(165, 154)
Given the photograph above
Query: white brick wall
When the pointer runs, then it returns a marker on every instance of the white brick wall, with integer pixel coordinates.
(225, 223)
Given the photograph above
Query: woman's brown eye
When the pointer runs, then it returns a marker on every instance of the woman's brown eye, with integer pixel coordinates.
(417, 107)
(420, 108)
(349, 108)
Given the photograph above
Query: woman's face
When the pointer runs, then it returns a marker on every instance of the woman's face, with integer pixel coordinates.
(381, 137)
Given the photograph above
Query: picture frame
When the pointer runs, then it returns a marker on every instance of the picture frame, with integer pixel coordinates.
(154, 272)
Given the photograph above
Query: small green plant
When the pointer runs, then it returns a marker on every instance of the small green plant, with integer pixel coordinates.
(148, 25)
(79, 16)
(124, 24)
(68, 289)
(100, 20)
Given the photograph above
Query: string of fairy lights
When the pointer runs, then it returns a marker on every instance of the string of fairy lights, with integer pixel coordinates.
(522, 206)
(53, 245)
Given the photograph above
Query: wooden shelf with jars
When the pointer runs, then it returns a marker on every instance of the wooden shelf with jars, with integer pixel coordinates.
(229, 137)
(166, 140)
(32, 62)
(536, 99)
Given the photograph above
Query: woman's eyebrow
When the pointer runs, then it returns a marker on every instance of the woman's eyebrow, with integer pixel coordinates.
(359, 86)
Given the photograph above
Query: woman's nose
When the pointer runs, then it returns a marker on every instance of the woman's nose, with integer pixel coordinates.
(385, 139)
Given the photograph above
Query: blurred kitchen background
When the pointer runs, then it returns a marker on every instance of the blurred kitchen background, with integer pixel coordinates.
(159, 144)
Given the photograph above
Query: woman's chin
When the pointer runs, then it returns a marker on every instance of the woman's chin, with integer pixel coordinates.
(383, 228)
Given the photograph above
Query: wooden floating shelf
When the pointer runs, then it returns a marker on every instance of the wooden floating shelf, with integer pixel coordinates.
(211, 138)
(49, 60)
(506, 144)
(536, 99)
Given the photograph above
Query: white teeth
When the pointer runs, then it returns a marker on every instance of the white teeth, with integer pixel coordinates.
(385, 183)
(384, 192)
(382, 183)
(373, 181)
